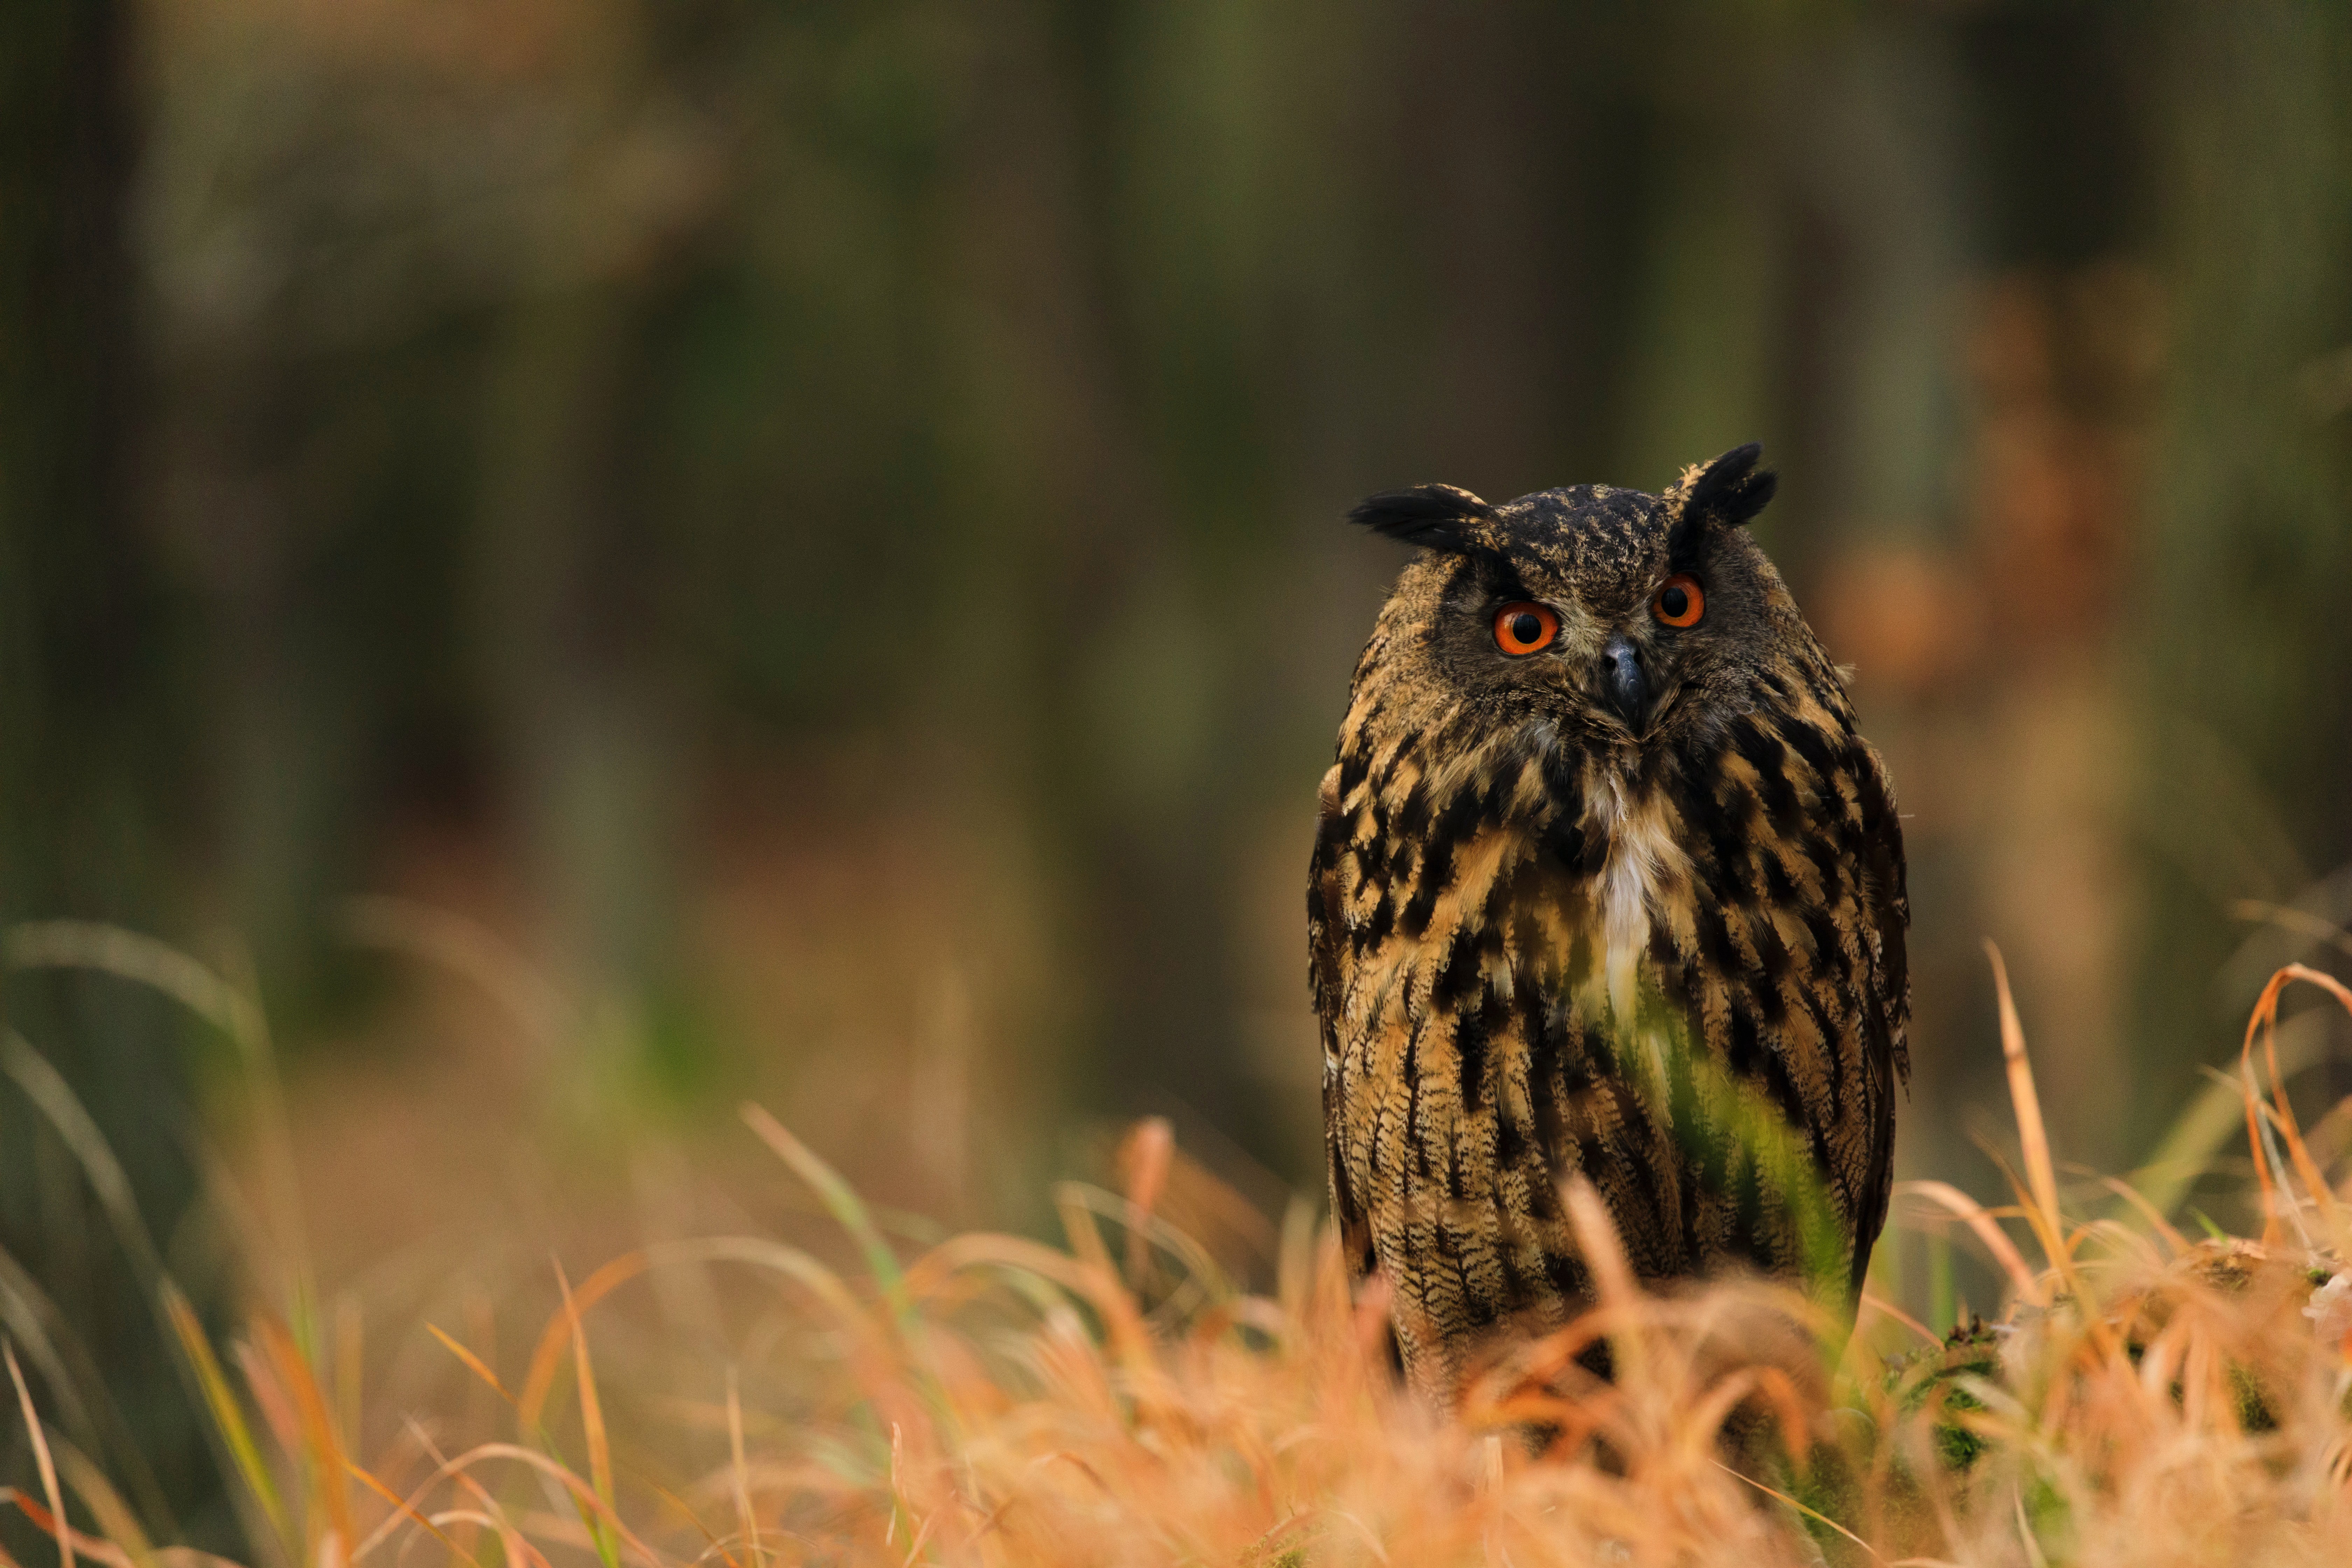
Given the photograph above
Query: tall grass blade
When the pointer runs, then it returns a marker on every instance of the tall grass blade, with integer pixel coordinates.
(1144, 1158)
(402, 1508)
(472, 1363)
(1972, 1214)
(463, 947)
(116, 1522)
(55, 1099)
(2039, 1173)
(221, 1402)
(321, 1444)
(2266, 1015)
(591, 1423)
(41, 1457)
(28, 1317)
(233, 1010)
(80, 1392)
(841, 1200)
(350, 1368)
(128, 955)
(2187, 1150)
(47, 1090)
(747, 1519)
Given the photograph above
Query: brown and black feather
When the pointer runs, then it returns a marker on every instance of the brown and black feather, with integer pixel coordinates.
(1664, 953)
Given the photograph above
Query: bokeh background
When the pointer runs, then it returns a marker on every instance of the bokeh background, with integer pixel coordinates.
(610, 556)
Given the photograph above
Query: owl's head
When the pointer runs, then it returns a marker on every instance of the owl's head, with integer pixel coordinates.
(1618, 613)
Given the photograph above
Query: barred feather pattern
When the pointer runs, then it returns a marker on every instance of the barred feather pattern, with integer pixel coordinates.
(1544, 946)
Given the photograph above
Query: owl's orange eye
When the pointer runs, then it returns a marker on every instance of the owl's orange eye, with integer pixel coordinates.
(1525, 628)
(1679, 602)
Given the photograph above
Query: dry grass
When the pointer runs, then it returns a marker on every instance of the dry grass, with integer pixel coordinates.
(1117, 1399)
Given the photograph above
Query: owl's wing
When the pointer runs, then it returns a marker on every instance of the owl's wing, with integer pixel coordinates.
(1327, 938)
(1886, 909)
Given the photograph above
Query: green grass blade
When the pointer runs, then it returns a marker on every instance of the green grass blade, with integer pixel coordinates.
(220, 1400)
(843, 1203)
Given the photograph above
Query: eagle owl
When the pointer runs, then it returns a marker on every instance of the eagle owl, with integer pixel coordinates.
(1606, 886)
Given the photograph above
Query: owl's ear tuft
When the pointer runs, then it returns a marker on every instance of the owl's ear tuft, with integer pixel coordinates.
(1731, 490)
(1431, 516)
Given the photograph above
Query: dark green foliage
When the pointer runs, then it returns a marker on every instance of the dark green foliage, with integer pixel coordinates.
(95, 735)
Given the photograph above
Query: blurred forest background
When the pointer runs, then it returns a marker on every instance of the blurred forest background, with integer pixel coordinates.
(798, 545)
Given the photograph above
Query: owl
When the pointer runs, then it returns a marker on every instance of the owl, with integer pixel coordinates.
(1606, 887)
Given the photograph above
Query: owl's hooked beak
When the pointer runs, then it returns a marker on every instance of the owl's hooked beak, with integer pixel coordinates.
(1623, 683)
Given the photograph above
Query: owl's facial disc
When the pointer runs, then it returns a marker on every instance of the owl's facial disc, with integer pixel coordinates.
(1617, 617)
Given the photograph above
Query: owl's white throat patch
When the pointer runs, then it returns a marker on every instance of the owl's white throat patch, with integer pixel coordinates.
(1642, 857)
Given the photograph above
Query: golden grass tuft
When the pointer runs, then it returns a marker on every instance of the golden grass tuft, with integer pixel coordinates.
(1117, 1399)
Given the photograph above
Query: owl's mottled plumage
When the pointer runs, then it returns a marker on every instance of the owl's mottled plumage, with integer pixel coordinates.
(1631, 910)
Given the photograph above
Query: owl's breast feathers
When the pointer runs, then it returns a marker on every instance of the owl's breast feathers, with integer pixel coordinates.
(1676, 969)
